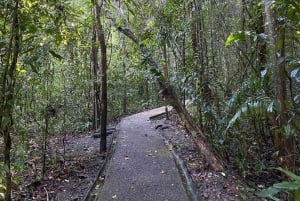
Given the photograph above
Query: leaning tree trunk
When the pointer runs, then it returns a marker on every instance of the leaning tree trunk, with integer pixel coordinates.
(171, 97)
(7, 95)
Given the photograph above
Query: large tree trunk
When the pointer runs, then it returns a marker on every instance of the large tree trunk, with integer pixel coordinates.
(282, 140)
(171, 97)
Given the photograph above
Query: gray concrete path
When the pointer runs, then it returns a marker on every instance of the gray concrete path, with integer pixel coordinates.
(142, 169)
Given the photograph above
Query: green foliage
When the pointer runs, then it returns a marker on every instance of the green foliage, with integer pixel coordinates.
(2, 190)
(54, 54)
(290, 187)
(3, 169)
(232, 93)
(235, 37)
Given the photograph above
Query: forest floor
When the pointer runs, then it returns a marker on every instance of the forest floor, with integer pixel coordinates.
(207, 184)
(73, 164)
(73, 167)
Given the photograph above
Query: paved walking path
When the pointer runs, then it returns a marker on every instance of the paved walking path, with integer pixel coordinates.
(142, 169)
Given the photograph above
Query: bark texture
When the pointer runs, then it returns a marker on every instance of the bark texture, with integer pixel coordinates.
(103, 51)
(284, 142)
(7, 95)
(96, 102)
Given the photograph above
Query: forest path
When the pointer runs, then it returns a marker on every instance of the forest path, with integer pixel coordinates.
(142, 168)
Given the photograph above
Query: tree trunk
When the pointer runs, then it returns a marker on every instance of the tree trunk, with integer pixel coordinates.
(166, 70)
(171, 97)
(7, 95)
(96, 87)
(261, 45)
(103, 104)
(124, 103)
(200, 53)
(282, 140)
(166, 60)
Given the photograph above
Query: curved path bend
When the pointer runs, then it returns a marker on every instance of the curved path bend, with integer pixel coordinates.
(142, 168)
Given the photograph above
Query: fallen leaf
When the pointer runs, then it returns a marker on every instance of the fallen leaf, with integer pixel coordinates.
(170, 147)
(102, 178)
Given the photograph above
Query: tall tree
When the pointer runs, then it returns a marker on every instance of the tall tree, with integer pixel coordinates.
(96, 83)
(283, 141)
(103, 101)
(8, 90)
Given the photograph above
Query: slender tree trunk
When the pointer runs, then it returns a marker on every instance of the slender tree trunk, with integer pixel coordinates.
(103, 50)
(166, 70)
(124, 104)
(45, 138)
(199, 45)
(166, 61)
(96, 87)
(184, 69)
(7, 95)
(261, 45)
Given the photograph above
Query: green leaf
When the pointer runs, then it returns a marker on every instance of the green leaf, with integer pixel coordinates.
(54, 54)
(263, 36)
(263, 73)
(2, 43)
(289, 173)
(235, 37)
(294, 72)
(234, 119)
(287, 186)
(297, 195)
(34, 69)
(289, 131)
(32, 29)
(5, 120)
(155, 72)
(269, 193)
(2, 187)
(271, 107)
(2, 195)
(296, 98)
